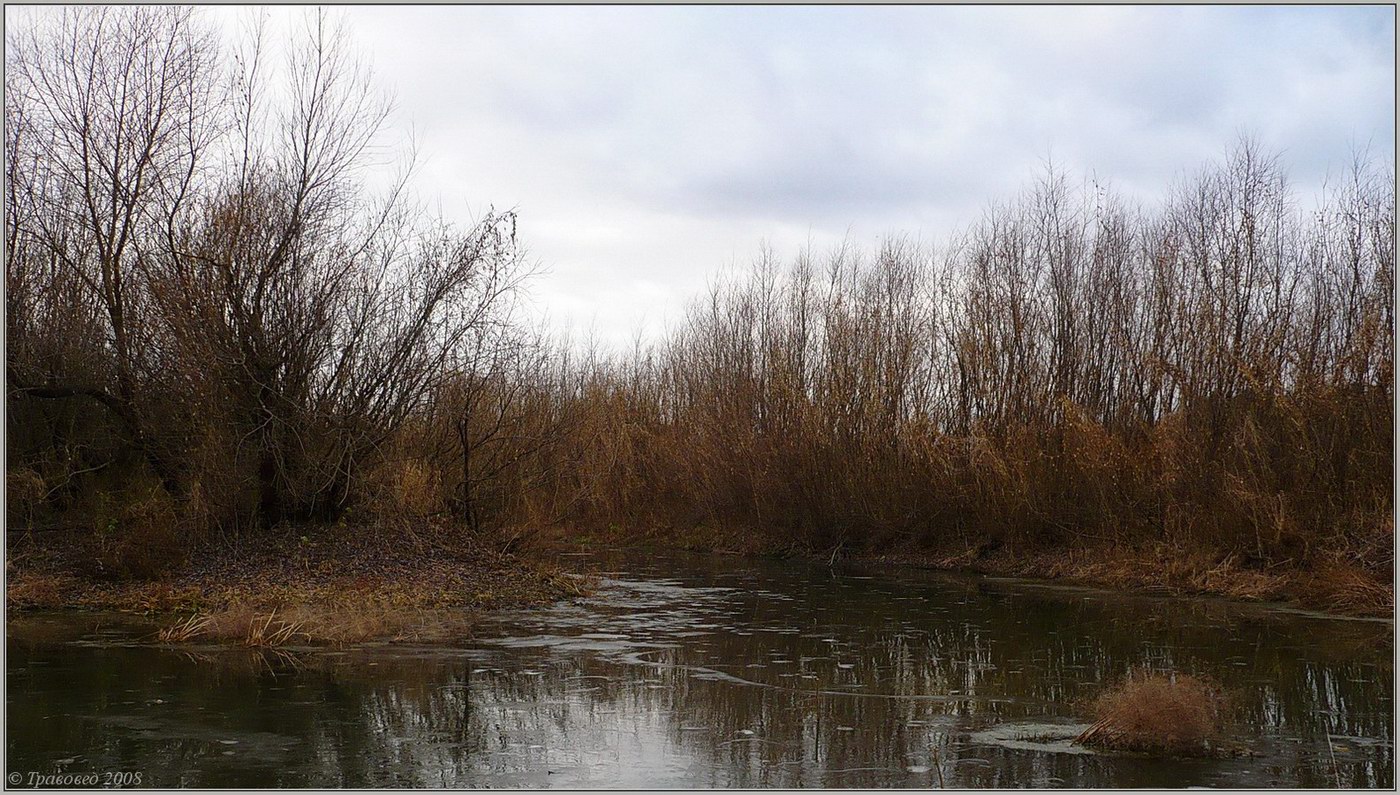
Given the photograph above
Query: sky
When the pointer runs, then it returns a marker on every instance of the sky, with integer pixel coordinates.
(647, 149)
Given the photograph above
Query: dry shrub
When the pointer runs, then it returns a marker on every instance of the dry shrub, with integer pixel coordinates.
(24, 491)
(1156, 713)
(217, 496)
(141, 538)
(408, 487)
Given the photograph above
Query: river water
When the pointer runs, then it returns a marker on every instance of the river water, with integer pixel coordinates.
(714, 671)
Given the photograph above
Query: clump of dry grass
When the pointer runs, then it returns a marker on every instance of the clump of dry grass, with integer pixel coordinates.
(315, 625)
(40, 590)
(271, 631)
(1156, 713)
(571, 584)
(186, 630)
(405, 488)
(1347, 589)
(239, 623)
(138, 535)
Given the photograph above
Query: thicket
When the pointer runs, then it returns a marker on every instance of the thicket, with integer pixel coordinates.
(216, 317)
(1075, 370)
(215, 323)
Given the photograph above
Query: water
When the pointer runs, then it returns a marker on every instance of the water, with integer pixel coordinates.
(712, 671)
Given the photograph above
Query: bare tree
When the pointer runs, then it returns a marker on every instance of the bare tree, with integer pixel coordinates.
(112, 114)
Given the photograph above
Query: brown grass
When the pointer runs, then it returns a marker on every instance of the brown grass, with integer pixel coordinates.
(24, 491)
(331, 586)
(189, 629)
(1176, 570)
(1343, 588)
(262, 631)
(1156, 713)
(39, 590)
(138, 536)
(316, 625)
(405, 488)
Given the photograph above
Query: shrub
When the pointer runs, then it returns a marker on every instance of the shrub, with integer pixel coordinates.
(24, 491)
(405, 488)
(141, 538)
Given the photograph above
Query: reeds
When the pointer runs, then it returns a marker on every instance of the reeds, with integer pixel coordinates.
(265, 634)
(315, 625)
(250, 628)
(184, 631)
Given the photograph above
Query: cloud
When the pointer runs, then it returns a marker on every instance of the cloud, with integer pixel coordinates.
(648, 147)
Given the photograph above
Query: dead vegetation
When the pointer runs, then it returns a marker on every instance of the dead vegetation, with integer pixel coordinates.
(232, 336)
(192, 627)
(340, 585)
(317, 624)
(1076, 386)
(1152, 712)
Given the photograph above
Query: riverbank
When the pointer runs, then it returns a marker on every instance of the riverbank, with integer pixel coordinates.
(727, 669)
(1163, 569)
(314, 584)
(336, 584)
(1332, 587)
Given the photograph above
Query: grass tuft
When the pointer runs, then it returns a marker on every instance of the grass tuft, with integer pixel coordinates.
(186, 630)
(1156, 713)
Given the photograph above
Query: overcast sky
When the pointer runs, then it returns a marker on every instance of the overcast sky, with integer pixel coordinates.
(647, 148)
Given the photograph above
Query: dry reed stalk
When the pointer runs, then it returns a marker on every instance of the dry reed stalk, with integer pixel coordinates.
(265, 635)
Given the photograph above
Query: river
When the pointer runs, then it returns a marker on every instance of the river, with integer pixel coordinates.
(685, 670)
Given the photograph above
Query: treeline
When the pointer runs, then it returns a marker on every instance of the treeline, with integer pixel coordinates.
(1072, 371)
(215, 325)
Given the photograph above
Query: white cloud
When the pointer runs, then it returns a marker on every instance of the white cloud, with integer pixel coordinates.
(648, 147)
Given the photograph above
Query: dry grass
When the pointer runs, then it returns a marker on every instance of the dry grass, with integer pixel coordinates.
(24, 491)
(404, 488)
(262, 631)
(187, 630)
(342, 585)
(137, 533)
(1166, 568)
(39, 590)
(1156, 713)
(316, 625)
(1173, 570)
(1343, 588)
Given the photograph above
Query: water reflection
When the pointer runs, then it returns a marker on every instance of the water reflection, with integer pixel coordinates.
(686, 671)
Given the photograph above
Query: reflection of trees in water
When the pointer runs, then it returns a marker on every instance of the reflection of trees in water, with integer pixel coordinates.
(821, 713)
(1049, 656)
